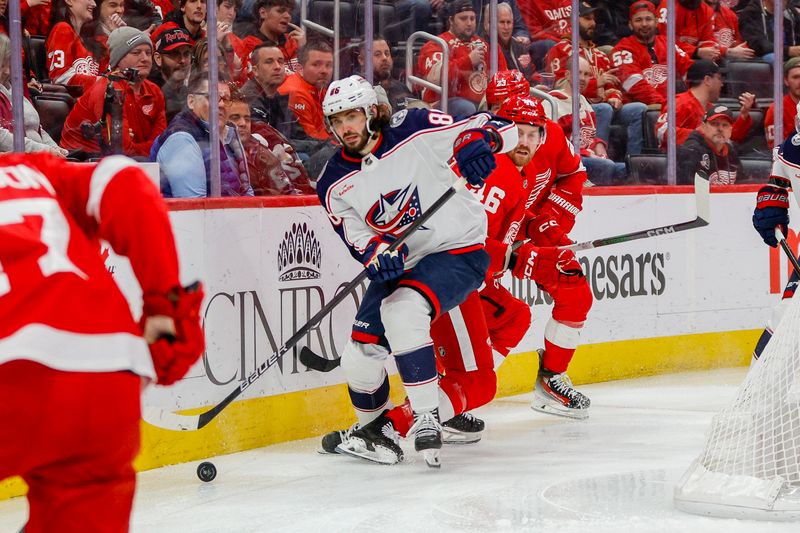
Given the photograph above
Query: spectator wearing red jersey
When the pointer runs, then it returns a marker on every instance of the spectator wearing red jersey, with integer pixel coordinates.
(189, 15)
(709, 149)
(726, 32)
(641, 59)
(72, 59)
(469, 62)
(143, 117)
(275, 25)
(515, 52)
(694, 28)
(35, 16)
(594, 154)
(791, 79)
(307, 88)
(705, 84)
(548, 22)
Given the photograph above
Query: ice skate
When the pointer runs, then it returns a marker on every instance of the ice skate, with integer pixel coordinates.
(376, 442)
(331, 440)
(555, 395)
(427, 433)
(465, 428)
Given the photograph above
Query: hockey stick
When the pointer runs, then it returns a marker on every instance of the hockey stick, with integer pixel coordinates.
(177, 422)
(787, 250)
(702, 194)
(702, 200)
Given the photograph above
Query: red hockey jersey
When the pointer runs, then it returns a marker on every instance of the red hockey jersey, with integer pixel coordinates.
(694, 28)
(68, 61)
(547, 19)
(464, 80)
(642, 80)
(557, 62)
(789, 112)
(726, 28)
(59, 306)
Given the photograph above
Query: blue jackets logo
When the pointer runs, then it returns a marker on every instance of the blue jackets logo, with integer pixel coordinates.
(395, 210)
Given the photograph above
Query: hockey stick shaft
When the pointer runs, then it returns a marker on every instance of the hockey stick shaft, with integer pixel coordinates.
(702, 194)
(174, 421)
(787, 250)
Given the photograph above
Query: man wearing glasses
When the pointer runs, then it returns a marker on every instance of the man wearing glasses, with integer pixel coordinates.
(183, 151)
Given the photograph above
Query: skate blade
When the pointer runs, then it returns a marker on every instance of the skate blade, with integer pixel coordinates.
(432, 458)
(380, 455)
(450, 436)
(323, 451)
(559, 410)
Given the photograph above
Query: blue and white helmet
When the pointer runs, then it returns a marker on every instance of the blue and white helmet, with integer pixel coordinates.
(353, 92)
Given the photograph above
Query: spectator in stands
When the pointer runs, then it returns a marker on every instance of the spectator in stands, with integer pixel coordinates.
(694, 28)
(36, 138)
(612, 22)
(709, 149)
(274, 170)
(307, 87)
(35, 16)
(275, 25)
(641, 59)
(162, 8)
(189, 15)
(73, 59)
(183, 151)
(200, 59)
(236, 51)
(382, 72)
(261, 91)
(726, 32)
(146, 15)
(514, 51)
(520, 31)
(594, 154)
(143, 117)
(469, 62)
(107, 17)
(548, 22)
(172, 55)
(791, 79)
(705, 85)
(756, 23)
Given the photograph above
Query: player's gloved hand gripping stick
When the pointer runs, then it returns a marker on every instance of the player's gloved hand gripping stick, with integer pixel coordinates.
(177, 422)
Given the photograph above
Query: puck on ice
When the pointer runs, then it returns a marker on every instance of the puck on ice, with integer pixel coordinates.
(206, 471)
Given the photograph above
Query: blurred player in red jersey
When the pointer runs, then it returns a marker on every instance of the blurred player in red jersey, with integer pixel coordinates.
(72, 359)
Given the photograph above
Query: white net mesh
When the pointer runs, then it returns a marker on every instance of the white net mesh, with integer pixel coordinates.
(751, 463)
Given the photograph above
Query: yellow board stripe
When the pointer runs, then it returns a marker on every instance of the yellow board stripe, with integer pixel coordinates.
(263, 421)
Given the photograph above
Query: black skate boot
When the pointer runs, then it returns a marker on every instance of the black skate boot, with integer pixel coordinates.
(376, 442)
(427, 433)
(465, 428)
(331, 440)
(555, 395)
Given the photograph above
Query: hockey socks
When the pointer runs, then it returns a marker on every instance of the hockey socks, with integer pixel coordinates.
(417, 369)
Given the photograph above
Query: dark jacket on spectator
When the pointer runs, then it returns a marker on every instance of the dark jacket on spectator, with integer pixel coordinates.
(696, 154)
(612, 21)
(755, 25)
(520, 28)
(274, 110)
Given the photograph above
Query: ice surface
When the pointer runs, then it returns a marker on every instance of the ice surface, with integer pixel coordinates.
(531, 472)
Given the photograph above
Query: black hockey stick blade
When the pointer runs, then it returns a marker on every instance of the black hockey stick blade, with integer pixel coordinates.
(317, 362)
(179, 422)
(702, 193)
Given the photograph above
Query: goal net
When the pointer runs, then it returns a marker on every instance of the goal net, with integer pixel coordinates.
(750, 467)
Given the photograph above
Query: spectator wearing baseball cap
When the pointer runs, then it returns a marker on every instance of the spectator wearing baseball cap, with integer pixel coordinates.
(704, 79)
(143, 118)
(709, 149)
(642, 58)
(791, 79)
(172, 56)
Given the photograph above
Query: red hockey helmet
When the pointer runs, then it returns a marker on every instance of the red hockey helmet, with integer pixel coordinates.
(504, 84)
(524, 110)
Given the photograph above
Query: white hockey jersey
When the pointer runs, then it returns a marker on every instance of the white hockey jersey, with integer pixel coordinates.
(407, 171)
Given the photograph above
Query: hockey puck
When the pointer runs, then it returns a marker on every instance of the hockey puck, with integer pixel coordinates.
(206, 471)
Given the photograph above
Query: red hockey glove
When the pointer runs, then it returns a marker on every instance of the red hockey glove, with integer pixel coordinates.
(545, 265)
(174, 347)
(544, 230)
(381, 264)
(473, 152)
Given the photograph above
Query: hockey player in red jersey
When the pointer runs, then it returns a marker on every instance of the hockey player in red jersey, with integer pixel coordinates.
(503, 85)
(72, 359)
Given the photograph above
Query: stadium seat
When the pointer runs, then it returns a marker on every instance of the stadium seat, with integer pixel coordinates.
(53, 111)
(749, 76)
(754, 170)
(650, 144)
(385, 22)
(647, 169)
(321, 12)
(38, 61)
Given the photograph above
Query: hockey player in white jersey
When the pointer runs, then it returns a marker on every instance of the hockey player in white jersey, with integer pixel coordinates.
(387, 174)
(771, 212)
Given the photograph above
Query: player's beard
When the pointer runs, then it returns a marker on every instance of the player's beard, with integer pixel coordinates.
(521, 159)
(355, 149)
